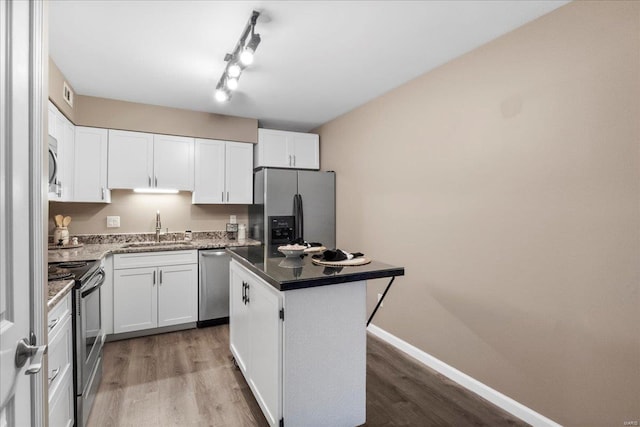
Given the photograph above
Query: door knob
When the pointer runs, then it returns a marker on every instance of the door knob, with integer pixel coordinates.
(26, 351)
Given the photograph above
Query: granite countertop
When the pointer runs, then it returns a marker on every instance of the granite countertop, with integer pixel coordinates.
(95, 251)
(287, 274)
(58, 289)
(97, 247)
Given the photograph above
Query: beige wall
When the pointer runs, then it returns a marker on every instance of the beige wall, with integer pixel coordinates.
(507, 182)
(56, 85)
(138, 214)
(114, 114)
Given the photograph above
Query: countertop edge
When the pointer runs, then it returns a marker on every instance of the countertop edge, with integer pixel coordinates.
(60, 289)
(323, 281)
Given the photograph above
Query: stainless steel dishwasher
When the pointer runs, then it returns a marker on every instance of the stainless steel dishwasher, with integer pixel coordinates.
(213, 287)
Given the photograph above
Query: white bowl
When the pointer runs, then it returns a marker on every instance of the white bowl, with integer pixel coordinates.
(291, 251)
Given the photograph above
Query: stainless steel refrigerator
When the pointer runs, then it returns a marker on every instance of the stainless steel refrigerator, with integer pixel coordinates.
(304, 200)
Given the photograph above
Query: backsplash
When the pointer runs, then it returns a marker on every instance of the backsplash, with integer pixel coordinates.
(137, 214)
(97, 239)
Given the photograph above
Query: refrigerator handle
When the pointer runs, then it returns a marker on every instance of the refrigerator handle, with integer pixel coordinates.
(300, 219)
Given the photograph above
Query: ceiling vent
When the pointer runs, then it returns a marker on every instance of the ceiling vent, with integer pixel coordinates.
(67, 94)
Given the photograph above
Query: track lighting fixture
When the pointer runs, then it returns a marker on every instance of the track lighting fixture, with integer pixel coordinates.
(241, 57)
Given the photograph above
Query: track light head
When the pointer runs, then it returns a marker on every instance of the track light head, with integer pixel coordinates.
(246, 57)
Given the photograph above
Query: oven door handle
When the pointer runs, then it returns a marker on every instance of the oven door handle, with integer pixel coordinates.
(89, 291)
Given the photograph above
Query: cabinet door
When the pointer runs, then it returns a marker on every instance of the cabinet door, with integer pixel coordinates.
(238, 317)
(90, 165)
(177, 294)
(305, 148)
(173, 162)
(265, 365)
(66, 152)
(239, 173)
(130, 159)
(135, 299)
(272, 149)
(209, 171)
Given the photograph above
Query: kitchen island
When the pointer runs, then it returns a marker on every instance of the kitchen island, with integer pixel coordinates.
(298, 334)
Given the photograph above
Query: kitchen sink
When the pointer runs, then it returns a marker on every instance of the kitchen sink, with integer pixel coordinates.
(156, 244)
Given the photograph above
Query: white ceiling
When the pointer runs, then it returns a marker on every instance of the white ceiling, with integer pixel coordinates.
(317, 59)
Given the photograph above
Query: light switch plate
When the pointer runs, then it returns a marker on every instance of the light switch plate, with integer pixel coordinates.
(113, 221)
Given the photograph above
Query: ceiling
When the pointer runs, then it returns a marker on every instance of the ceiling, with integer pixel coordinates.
(317, 60)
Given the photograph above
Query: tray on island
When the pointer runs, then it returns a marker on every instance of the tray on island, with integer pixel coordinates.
(347, 262)
(70, 246)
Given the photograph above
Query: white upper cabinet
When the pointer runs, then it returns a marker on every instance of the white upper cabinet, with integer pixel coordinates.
(173, 162)
(144, 160)
(130, 159)
(284, 149)
(223, 172)
(209, 171)
(90, 165)
(239, 172)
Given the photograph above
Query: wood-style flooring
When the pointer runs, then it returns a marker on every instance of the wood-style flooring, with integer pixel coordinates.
(187, 378)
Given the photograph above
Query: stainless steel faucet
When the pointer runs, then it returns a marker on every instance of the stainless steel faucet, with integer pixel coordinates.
(158, 226)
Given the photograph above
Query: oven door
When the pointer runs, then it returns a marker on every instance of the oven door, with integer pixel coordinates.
(91, 336)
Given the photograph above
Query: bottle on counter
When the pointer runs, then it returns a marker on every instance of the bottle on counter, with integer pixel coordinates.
(242, 231)
(187, 235)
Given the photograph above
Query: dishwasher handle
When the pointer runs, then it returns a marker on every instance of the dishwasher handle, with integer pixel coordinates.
(213, 253)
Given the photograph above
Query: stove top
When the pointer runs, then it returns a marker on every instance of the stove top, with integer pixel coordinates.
(77, 270)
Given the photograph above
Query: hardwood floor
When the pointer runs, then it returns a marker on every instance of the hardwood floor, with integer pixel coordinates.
(187, 378)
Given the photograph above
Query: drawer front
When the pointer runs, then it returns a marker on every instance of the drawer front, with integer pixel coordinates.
(154, 259)
(60, 354)
(57, 314)
(61, 403)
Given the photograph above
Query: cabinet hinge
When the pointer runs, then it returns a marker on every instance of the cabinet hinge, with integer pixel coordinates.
(282, 316)
(281, 419)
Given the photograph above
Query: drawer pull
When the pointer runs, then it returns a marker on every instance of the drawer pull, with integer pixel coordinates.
(53, 322)
(54, 374)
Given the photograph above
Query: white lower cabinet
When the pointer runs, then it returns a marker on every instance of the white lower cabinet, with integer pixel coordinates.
(154, 289)
(302, 352)
(60, 364)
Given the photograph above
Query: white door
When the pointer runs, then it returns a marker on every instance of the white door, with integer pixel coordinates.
(239, 173)
(209, 172)
(173, 162)
(22, 197)
(90, 184)
(130, 163)
(135, 299)
(177, 294)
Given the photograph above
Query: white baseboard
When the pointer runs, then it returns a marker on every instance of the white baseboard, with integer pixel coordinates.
(514, 408)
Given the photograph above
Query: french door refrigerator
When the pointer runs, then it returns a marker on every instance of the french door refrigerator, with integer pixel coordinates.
(308, 198)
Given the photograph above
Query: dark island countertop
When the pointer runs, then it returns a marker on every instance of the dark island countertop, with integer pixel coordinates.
(287, 274)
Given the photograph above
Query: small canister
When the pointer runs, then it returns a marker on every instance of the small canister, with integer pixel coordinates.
(61, 235)
(242, 231)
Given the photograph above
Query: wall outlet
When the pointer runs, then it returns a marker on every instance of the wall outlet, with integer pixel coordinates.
(232, 219)
(379, 298)
(113, 221)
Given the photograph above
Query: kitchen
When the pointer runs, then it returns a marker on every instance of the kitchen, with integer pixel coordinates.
(505, 181)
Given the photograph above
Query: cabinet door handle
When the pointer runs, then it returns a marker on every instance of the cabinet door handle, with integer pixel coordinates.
(222, 196)
(227, 196)
(154, 277)
(289, 159)
(59, 189)
(244, 297)
(156, 181)
(294, 160)
(161, 277)
(149, 176)
(248, 289)
(52, 323)
(102, 193)
(54, 374)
